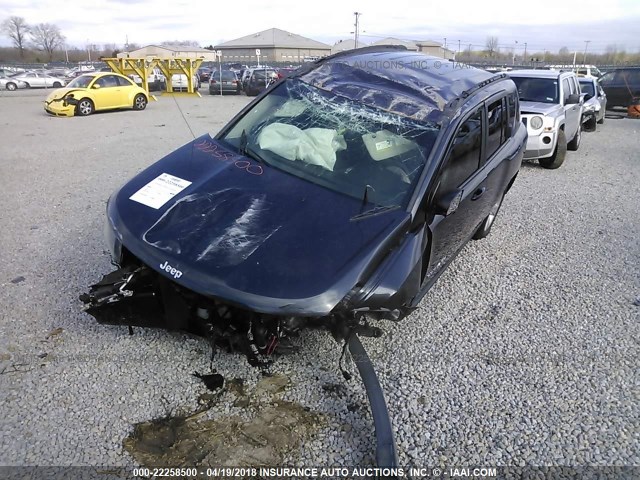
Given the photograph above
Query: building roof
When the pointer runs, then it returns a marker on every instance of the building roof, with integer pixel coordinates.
(175, 48)
(408, 44)
(348, 44)
(274, 38)
(427, 43)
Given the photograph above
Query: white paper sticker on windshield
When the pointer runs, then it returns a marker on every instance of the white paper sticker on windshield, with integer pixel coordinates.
(159, 190)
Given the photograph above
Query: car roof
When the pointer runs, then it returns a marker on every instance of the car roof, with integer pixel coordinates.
(393, 78)
(538, 73)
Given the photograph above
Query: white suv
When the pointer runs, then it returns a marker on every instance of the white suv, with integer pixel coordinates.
(551, 106)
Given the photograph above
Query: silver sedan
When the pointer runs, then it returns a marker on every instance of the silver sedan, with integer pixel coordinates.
(11, 83)
(40, 80)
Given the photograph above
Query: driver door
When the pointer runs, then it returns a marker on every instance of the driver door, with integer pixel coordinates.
(572, 112)
(460, 173)
(109, 94)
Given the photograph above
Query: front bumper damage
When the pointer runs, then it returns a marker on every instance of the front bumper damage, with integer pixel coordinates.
(61, 107)
(136, 295)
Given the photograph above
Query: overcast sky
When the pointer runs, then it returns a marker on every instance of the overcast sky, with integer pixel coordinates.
(543, 25)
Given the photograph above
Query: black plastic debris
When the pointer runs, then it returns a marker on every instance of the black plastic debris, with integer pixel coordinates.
(212, 381)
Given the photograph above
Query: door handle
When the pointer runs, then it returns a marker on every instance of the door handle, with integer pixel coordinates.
(478, 193)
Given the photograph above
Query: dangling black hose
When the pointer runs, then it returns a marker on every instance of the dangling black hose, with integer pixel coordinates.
(386, 454)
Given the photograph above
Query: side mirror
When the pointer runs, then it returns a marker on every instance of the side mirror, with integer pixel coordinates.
(448, 203)
(573, 99)
(96, 86)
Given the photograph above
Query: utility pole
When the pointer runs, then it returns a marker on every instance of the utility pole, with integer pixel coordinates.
(458, 47)
(513, 60)
(584, 58)
(357, 14)
(525, 51)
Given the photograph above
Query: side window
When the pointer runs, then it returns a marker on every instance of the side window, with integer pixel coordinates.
(607, 78)
(464, 155)
(511, 101)
(495, 125)
(566, 90)
(124, 82)
(633, 77)
(107, 81)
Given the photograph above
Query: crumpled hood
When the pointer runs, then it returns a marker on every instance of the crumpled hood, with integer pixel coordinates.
(251, 234)
(539, 107)
(60, 93)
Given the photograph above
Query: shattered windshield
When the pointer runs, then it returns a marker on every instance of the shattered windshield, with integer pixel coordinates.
(348, 147)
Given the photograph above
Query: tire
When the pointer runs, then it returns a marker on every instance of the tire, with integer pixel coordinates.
(574, 144)
(85, 107)
(485, 228)
(11, 86)
(590, 125)
(27, 84)
(57, 85)
(140, 102)
(559, 154)
(601, 121)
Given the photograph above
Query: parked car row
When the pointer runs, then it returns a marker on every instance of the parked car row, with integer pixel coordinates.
(251, 80)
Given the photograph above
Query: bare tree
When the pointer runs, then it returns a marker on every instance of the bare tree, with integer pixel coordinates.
(492, 45)
(47, 37)
(16, 29)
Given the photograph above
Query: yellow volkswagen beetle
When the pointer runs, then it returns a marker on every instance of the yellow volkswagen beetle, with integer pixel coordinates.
(93, 92)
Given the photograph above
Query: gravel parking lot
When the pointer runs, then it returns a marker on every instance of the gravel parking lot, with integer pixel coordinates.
(526, 352)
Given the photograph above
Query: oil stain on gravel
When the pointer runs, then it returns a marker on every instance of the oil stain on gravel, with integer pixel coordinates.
(277, 428)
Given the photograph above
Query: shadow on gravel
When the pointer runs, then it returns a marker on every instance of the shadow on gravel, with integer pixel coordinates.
(275, 429)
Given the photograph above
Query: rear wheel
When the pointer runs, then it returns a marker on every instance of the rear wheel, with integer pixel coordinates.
(57, 85)
(574, 144)
(140, 102)
(84, 107)
(559, 154)
(485, 228)
(11, 86)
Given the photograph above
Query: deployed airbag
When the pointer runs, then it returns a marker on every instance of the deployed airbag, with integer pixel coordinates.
(316, 146)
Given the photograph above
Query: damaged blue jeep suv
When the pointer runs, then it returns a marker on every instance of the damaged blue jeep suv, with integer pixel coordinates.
(339, 194)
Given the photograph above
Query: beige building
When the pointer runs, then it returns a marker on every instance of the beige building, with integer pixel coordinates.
(275, 45)
(425, 46)
(348, 44)
(170, 51)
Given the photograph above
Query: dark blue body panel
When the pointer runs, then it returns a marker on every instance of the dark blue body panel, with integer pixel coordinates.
(252, 234)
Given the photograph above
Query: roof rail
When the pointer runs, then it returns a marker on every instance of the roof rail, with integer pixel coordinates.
(467, 93)
(478, 86)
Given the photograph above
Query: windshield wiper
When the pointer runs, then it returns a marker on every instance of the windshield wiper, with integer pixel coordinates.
(251, 153)
(242, 148)
(247, 151)
(374, 211)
